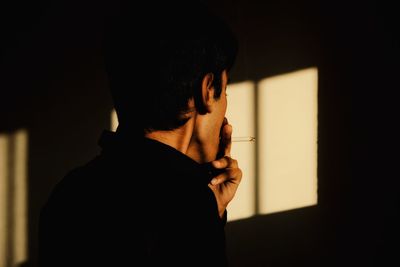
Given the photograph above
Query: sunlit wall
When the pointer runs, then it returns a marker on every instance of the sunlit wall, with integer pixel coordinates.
(114, 121)
(13, 198)
(287, 141)
(241, 114)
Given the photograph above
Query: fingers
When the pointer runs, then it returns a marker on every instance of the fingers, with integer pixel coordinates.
(225, 162)
(230, 175)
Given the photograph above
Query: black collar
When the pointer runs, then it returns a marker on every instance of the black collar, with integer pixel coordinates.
(120, 143)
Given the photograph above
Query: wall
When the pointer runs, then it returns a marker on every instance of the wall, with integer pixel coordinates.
(53, 85)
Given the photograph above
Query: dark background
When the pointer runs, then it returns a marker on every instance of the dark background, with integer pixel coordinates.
(53, 84)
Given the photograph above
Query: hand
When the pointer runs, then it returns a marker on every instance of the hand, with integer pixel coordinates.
(224, 185)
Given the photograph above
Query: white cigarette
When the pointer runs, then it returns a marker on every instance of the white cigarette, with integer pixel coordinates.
(243, 139)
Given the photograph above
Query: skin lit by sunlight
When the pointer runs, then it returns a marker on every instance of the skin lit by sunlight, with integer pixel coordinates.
(114, 120)
(13, 194)
(240, 115)
(287, 140)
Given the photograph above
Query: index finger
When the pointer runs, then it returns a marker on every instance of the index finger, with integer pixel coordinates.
(222, 163)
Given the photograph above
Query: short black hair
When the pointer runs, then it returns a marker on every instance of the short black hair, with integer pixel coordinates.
(156, 64)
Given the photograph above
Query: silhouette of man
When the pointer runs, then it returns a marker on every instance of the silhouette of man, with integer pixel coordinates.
(157, 193)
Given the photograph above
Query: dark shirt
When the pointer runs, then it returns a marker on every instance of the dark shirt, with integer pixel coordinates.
(138, 203)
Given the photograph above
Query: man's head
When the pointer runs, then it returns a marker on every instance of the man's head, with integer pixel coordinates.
(160, 63)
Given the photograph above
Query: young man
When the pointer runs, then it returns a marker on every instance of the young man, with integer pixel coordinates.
(158, 192)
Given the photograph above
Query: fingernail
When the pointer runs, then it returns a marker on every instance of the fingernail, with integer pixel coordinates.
(214, 181)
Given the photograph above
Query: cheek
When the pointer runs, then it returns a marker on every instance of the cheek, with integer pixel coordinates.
(222, 112)
(225, 104)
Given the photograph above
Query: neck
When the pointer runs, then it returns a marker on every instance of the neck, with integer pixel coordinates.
(178, 138)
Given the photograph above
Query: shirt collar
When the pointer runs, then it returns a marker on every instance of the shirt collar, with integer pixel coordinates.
(117, 142)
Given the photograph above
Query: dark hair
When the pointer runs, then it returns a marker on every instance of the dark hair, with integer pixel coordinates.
(158, 64)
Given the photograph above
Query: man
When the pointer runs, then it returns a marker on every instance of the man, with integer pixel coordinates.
(158, 192)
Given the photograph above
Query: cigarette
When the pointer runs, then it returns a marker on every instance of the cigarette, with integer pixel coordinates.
(243, 139)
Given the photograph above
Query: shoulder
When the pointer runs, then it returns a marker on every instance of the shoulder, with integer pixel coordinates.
(74, 189)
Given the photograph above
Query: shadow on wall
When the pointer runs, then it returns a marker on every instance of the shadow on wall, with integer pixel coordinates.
(63, 100)
(54, 86)
(290, 238)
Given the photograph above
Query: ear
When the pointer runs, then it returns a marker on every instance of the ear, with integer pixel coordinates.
(207, 91)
